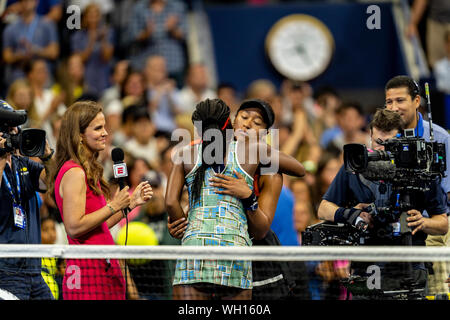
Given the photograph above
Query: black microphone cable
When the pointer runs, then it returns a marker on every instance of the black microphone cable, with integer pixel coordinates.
(120, 172)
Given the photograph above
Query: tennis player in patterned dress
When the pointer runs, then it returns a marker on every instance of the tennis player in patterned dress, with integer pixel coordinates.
(216, 219)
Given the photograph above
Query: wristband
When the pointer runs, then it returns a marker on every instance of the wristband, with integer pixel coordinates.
(339, 215)
(48, 157)
(250, 203)
(346, 215)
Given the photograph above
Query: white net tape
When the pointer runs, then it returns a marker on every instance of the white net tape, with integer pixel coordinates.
(260, 253)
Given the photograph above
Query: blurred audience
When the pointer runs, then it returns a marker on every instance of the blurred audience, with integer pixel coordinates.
(46, 102)
(143, 142)
(227, 92)
(30, 36)
(442, 67)
(120, 71)
(20, 97)
(159, 27)
(197, 88)
(94, 43)
(350, 128)
(162, 93)
(71, 84)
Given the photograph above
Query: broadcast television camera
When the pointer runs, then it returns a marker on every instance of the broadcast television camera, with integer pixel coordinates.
(407, 160)
(30, 142)
(400, 175)
(409, 164)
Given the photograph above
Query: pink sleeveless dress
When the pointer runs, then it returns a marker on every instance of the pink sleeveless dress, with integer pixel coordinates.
(90, 279)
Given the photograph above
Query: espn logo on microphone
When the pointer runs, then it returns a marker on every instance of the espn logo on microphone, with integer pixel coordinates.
(120, 170)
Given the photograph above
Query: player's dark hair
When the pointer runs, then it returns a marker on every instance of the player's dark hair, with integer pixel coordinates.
(209, 114)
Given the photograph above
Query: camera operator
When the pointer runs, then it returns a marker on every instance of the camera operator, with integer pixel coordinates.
(403, 96)
(20, 179)
(350, 193)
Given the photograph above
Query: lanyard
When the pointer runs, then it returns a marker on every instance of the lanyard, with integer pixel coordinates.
(8, 185)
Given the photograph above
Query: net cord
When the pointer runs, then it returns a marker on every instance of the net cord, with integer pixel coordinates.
(260, 253)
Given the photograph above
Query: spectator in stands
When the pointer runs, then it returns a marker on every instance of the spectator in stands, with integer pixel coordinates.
(20, 97)
(94, 43)
(106, 6)
(45, 100)
(227, 93)
(49, 265)
(262, 89)
(293, 98)
(162, 94)
(50, 10)
(437, 24)
(143, 143)
(304, 216)
(442, 68)
(327, 169)
(301, 191)
(326, 102)
(53, 133)
(120, 21)
(137, 169)
(71, 80)
(159, 27)
(301, 142)
(132, 92)
(120, 71)
(350, 123)
(124, 131)
(197, 88)
(29, 37)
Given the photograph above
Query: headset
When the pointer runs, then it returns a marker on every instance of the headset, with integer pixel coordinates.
(416, 92)
(416, 88)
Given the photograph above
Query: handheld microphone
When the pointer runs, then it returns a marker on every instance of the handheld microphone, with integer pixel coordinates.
(119, 169)
(120, 172)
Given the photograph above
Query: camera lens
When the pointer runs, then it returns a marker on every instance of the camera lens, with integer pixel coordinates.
(355, 157)
(28, 144)
(32, 142)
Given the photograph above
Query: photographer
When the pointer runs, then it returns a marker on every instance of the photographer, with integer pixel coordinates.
(20, 178)
(349, 194)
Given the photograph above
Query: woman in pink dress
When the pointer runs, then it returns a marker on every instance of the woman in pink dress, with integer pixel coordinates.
(86, 206)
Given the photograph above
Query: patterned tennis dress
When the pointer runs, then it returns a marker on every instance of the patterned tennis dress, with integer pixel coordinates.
(216, 220)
